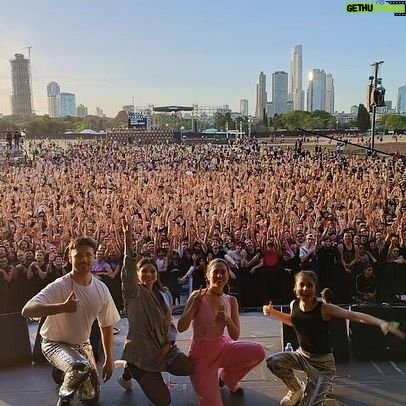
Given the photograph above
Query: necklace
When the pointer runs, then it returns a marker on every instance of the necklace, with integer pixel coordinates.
(215, 293)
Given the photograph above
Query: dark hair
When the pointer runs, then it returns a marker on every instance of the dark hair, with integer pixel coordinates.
(148, 261)
(215, 261)
(327, 295)
(77, 242)
(309, 274)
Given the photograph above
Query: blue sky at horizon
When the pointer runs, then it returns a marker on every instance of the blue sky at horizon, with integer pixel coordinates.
(184, 52)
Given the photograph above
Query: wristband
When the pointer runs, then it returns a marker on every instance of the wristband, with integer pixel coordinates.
(386, 326)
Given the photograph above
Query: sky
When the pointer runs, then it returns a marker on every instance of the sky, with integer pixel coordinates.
(180, 52)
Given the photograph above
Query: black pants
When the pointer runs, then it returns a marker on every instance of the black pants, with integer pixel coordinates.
(152, 383)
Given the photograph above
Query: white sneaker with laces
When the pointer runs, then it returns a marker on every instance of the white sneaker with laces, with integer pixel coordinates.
(127, 385)
(292, 398)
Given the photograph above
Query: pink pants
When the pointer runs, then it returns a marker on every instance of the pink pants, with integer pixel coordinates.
(236, 358)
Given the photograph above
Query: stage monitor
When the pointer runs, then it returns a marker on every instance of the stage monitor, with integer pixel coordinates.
(137, 120)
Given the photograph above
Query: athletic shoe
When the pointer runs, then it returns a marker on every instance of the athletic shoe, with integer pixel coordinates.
(292, 398)
(63, 402)
(127, 385)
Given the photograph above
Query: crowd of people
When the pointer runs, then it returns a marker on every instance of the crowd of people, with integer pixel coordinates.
(268, 211)
(244, 223)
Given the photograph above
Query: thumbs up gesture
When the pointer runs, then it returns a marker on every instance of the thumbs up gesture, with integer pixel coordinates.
(221, 314)
(267, 309)
(71, 303)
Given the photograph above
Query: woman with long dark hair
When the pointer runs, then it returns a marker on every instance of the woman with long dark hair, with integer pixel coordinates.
(150, 345)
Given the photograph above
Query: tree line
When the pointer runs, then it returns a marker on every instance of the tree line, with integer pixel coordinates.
(45, 126)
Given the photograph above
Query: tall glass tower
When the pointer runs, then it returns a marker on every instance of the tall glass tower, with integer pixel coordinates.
(67, 104)
(401, 99)
(21, 104)
(296, 78)
(329, 101)
(280, 92)
(316, 92)
(260, 108)
(53, 92)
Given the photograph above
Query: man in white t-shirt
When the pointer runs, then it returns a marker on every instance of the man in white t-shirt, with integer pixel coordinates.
(71, 304)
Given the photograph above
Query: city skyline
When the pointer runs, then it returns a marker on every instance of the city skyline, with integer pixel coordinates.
(110, 56)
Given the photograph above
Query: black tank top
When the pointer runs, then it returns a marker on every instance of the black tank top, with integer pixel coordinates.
(348, 255)
(311, 330)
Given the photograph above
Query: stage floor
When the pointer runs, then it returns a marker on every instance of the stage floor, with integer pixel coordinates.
(357, 383)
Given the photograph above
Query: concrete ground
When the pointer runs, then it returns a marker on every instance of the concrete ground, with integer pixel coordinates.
(357, 383)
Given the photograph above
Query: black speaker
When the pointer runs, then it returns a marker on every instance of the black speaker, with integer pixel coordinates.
(339, 339)
(37, 355)
(15, 346)
(368, 342)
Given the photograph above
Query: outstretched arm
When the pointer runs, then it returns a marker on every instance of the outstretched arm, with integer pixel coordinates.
(330, 311)
(269, 310)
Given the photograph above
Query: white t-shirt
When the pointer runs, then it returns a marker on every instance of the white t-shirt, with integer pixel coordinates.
(94, 301)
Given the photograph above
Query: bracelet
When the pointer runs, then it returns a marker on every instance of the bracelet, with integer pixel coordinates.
(387, 326)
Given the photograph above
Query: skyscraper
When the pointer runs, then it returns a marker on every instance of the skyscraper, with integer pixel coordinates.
(81, 110)
(260, 109)
(316, 92)
(279, 92)
(401, 99)
(329, 100)
(296, 72)
(67, 103)
(244, 107)
(53, 92)
(21, 104)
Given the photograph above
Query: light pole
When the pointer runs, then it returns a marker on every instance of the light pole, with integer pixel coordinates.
(376, 97)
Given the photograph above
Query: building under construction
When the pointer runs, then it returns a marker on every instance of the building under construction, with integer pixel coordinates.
(21, 97)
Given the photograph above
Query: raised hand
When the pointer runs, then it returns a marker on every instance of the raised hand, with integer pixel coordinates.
(71, 303)
(197, 300)
(126, 226)
(221, 315)
(267, 309)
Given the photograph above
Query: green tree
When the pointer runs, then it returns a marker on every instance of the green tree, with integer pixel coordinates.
(393, 122)
(295, 119)
(363, 119)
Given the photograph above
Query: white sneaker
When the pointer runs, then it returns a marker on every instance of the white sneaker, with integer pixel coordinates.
(127, 385)
(292, 398)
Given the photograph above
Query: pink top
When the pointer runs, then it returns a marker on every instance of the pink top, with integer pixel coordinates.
(205, 325)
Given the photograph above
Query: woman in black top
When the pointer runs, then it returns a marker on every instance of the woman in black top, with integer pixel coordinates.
(309, 317)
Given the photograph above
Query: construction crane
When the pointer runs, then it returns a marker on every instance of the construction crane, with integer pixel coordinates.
(29, 51)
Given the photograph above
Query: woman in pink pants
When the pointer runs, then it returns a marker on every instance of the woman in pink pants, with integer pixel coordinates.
(218, 360)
